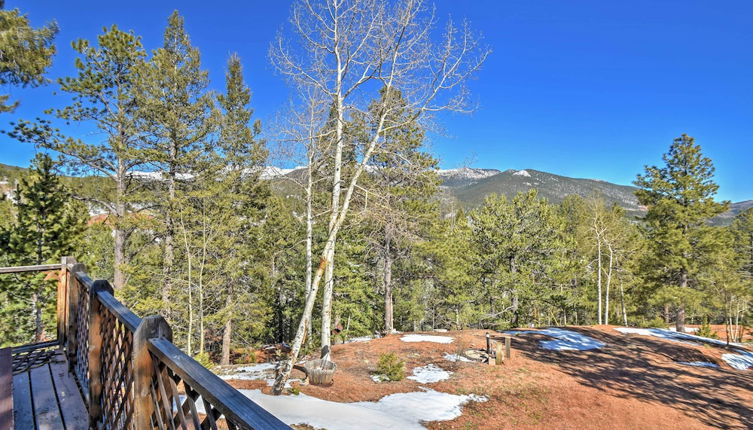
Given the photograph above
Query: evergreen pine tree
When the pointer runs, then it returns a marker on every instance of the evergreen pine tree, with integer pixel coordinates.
(680, 201)
(175, 115)
(25, 53)
(48, 226)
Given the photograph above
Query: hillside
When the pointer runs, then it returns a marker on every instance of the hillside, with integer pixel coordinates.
(554, 188)
(568, 378)
(467, 187)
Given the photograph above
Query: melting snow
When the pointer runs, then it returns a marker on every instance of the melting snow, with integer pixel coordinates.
(699, 364)
(429, 374)
(522, 173)
(741, 361)
(456, 357)
(359, 339)
(396, 411)
(566, 340)
(672, 335)
(252, 373)
(426, 338)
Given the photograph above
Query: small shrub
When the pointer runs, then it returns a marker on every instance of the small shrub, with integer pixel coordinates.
(203, 359)
(391, 367)
(657, 322)
(294, 390)
(249, 356)
(705, 330)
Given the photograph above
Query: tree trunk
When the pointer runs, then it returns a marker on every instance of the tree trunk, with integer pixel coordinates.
(336, 189)
(227, 333)
(36, 304)
(118, 233)
(309, 221)
(388, 312)
(624, 310)
(598, 276)
(680, 321)
(609, 282)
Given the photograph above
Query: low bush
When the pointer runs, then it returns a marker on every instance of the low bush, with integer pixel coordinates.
(391, 367)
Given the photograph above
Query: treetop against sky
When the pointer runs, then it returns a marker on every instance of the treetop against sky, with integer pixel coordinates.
(589, 89)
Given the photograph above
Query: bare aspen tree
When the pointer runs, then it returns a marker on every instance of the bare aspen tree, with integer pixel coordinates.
(349, 50)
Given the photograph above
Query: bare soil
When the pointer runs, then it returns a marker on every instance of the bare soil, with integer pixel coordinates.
(633, 382)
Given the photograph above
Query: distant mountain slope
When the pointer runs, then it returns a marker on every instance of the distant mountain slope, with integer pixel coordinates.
(465, 186)
(550, 186)
(735, 208)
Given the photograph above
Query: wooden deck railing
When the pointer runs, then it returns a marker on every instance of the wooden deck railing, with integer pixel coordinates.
(130, 374)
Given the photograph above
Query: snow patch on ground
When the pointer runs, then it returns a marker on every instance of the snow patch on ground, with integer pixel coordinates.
(251, 373)
(741, 361)
(699, 364)
(672, 335)
(359, 339)
(456, 357)
(565, 340)
(522, 173)
(396, 411)
(426, 338)
(429, 374)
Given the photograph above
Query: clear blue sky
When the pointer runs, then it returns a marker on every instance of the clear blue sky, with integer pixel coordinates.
(585, 88)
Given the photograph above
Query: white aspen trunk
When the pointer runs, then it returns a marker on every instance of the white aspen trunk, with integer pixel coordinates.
(309, 220)
(336, 189)
(202, 336)
(598, 276)
(609, 282)
(287, 366)
(189, 261)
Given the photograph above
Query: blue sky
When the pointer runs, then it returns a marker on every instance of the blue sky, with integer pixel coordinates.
(585, 88)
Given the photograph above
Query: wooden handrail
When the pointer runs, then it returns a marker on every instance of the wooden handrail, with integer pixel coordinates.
(121, 312)
(37, 268)
(227, 400)
(112, 353)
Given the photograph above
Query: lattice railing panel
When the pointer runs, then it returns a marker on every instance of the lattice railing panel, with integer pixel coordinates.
(116, 401)
(177, 405)
(81, 362)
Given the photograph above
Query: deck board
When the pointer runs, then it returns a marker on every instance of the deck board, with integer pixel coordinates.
(6, 393)
(46, 397)
(74, 412)
(46, 408)
(23, 411)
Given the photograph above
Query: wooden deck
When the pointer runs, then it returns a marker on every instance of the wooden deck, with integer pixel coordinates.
(110, 369)
(45, 395)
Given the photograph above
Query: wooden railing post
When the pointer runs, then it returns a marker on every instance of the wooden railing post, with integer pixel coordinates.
(95, 351)
(143, 368)
(62, 300)
(74, 289)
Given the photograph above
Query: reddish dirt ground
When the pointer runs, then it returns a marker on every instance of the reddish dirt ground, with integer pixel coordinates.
(633, 382)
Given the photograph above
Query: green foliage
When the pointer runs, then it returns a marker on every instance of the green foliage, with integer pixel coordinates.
(26, 53)
(391, 367)
(680, 201)
(705, 329)
(48, 225)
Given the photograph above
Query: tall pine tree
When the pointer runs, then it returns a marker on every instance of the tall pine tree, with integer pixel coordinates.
(680, 201)
(48, 225)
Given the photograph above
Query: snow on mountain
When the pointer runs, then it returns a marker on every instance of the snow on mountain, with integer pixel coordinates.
(464, 176)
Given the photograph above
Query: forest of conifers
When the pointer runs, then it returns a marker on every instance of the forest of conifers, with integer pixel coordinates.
(169, 199)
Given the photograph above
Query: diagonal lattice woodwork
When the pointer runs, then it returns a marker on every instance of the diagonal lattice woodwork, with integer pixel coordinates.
(81, 361)
(116, 401)
(177, 405)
